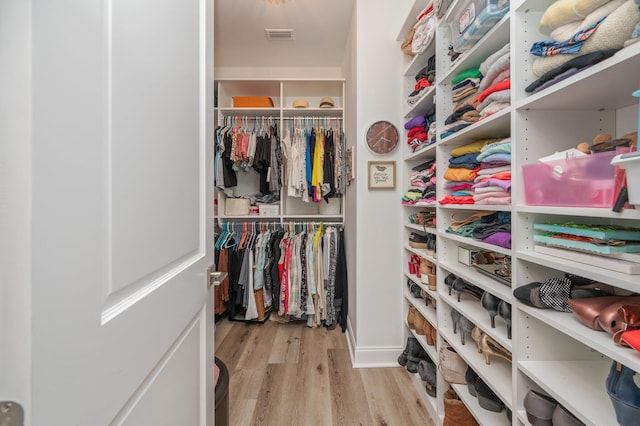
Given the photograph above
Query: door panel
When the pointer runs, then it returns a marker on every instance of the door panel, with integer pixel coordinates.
(122, 212)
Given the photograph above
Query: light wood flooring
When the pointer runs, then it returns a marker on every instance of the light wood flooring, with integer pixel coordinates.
(288, 374)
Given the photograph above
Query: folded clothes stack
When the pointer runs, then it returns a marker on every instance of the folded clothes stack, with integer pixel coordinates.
(464, 86)
(582, 33)
(493, 182)
(422, 185)
(486, 226)
(495, 88)
(420, 130)
(462, 172)
(424, 79)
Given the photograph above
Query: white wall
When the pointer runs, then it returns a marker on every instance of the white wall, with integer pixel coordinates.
(15, 182)
(379, 213)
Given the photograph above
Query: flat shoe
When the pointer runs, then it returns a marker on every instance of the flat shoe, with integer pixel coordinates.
(539, 408)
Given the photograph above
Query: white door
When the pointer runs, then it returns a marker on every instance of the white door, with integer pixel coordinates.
(121, 134)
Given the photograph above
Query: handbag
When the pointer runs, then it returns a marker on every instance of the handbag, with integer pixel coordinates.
(451, 365)
(408, 40)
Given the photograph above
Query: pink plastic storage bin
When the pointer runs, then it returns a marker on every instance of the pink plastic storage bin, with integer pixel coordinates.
(586, 181)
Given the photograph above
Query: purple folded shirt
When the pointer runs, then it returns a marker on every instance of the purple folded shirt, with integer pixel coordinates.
(502, 239)
(505, 184)
(416, 121)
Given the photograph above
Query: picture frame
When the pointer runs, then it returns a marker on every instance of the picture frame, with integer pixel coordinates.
(382, 174)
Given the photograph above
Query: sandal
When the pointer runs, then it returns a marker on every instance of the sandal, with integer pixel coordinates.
(490, 347)
(456, 224)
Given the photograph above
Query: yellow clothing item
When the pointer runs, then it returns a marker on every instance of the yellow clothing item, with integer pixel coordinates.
(472, 147)
(460, 175)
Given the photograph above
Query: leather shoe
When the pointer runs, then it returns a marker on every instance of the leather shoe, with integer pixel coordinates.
(539, 408)
(588, 310)
(561, 417)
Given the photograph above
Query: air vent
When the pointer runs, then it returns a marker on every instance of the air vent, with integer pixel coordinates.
(279, 34)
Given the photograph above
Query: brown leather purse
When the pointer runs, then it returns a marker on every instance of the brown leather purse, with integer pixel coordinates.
(627, 318)
(588, 310)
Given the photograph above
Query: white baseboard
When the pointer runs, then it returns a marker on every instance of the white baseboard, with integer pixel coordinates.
(372, 356)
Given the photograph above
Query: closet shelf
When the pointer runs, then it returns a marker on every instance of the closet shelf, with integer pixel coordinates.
(631, 214)
(420, 61)
(431, 403)
(577, 385)
(472, 242)
(600, 341)
(495, 126)
(427, 153)
(473, 310)
(493, 41)
(421, 228)
(484, 417)
(336, 112)
(498, 208)
(471, 274)
(426, 311)
(422, 105)
(258, 112)
(590, 89)
(421, 253)
(605, 276)
(497, 375)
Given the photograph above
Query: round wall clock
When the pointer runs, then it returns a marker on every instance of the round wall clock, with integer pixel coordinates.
(382, 137)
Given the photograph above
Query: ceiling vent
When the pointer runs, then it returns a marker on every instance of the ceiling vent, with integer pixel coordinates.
(279, 34)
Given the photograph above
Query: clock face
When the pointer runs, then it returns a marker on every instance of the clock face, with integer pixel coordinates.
(382, 137)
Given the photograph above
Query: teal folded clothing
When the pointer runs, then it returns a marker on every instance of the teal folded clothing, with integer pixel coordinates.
(498, 156)
(495, 149)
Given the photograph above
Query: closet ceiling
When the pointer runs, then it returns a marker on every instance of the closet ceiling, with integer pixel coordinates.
(320, 30)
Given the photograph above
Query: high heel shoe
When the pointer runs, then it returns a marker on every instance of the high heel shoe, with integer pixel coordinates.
(448, 281)
(460, 322)
(490, 303)
(476, 335)
(504, 310)
(491, 347)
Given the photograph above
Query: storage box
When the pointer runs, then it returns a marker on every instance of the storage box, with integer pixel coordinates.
(237, 206)
(586, 181)
(268, 209)
(252, 102)
(630, 162)
(472, 19)
(465, 254)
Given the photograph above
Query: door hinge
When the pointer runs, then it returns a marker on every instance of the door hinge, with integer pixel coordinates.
(11, 414)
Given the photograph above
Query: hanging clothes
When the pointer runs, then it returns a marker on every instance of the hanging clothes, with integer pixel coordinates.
(299, 273)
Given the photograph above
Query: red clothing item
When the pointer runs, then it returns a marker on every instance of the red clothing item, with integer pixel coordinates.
(453, 199)
(503, 85)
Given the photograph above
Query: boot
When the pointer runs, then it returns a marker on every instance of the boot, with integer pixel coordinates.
(410, 348)
(415, 357)
(455, 412)
(411, 315)
(419, 322)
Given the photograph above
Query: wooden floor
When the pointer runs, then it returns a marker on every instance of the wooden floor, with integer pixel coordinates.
(288, 374)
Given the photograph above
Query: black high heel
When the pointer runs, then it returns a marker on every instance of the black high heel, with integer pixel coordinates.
(448, 281)
(504, 310)
(490, 303)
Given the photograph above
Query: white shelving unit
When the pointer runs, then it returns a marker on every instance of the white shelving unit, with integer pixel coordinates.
(283, 93)
(552, 351)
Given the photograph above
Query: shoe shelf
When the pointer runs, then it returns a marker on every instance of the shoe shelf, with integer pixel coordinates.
(605, 276)
(431, 403)
(421, 253)
(473, 310)
(420, 228)
(418, 281)
(497, 375)
(471, 274)
(579, 386)
(484, 417)
(420, 304)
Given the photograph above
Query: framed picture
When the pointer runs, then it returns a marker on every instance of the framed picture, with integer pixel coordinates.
(382, 174)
